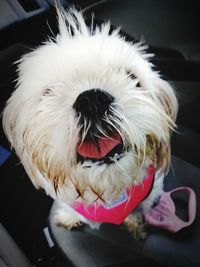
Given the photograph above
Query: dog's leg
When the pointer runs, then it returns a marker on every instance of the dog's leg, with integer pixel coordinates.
(134, 223)
(67, 217)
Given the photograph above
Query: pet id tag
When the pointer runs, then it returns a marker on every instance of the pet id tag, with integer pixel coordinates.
(163, 215)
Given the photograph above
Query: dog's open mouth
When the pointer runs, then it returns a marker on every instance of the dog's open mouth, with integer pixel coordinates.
(102, 150)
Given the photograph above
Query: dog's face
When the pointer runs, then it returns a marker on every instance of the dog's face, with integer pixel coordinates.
(89, 113)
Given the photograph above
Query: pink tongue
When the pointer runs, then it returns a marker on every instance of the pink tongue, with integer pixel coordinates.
(89, 149)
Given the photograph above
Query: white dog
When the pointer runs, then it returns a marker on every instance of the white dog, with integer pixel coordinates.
(88, 118)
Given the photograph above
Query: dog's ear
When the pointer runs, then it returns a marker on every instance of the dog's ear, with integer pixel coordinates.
(166, 97)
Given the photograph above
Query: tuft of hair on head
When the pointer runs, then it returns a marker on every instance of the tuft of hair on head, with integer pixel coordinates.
(72, 24)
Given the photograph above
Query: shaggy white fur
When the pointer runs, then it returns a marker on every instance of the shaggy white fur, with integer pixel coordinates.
(44, 129)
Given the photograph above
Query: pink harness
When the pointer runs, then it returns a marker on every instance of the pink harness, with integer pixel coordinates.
(116, 211)
(163, 215)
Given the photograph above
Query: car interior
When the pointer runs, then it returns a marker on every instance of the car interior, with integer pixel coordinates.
(28, 235)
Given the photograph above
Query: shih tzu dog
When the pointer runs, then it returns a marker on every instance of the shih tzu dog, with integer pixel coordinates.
(89, 120)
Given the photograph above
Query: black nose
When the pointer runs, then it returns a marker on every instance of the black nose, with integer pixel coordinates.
(92, 104)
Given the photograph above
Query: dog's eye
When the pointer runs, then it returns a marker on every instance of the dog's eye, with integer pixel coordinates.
(132, 76)
(47, 92)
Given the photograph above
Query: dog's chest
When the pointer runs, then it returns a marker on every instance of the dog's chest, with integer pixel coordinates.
(117, 210)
